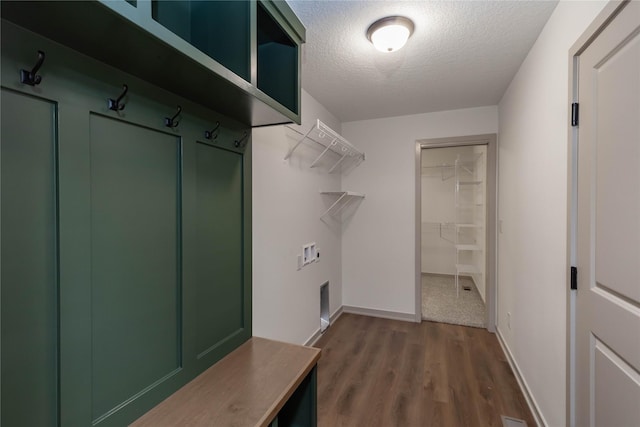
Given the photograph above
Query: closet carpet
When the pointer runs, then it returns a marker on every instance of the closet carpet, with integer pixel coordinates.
(440, 303)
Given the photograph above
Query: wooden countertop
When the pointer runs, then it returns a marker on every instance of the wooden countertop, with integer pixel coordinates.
(248, 387)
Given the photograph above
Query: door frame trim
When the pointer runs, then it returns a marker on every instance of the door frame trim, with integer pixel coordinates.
(490, 140)
(601, 21)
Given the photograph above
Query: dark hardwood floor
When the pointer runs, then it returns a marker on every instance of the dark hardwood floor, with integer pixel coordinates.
(378, 372)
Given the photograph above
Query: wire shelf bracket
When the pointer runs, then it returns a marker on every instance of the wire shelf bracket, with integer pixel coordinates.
(344, 199)
(331, 141)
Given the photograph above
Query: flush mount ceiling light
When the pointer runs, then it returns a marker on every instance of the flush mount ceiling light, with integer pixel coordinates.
(391, 33)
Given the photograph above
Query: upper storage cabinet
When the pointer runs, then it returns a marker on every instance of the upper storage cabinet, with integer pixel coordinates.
(277, 60)
(239, 58)
(219, 29)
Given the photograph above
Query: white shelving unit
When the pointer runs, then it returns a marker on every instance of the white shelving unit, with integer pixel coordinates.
(467, 268)
(468, 248)
(467, 225)
(343, 199)
(331, 142)
(443, 171)
(337, 152)
(467, 214)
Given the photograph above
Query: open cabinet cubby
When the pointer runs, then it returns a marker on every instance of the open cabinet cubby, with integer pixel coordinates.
(204, 24)
(277, 61)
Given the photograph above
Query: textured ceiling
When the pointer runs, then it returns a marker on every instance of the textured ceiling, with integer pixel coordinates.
(462, 54)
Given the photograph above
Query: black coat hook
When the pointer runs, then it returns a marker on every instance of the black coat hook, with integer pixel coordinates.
(209, 134)
(115, 104)
(29, 77)
(171, 122)
(239, 141)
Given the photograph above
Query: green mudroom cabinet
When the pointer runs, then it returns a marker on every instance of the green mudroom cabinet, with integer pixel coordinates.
(125, 206)
(240, 58)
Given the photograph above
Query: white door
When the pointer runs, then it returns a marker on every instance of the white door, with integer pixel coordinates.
(608, 233)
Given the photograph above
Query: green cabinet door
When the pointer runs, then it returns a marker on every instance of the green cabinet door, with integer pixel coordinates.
(219, 270)
(29, 285)
(135, 261)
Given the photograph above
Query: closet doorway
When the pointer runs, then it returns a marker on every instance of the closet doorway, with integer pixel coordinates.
(455, 245)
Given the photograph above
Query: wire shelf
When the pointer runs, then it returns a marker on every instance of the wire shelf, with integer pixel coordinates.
(331, 141)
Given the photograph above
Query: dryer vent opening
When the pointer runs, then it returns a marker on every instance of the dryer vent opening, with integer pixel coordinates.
(324, 307)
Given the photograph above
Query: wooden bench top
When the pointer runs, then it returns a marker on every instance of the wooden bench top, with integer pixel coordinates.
(248, 387)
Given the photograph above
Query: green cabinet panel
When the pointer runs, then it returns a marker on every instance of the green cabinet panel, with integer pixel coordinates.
(29, 278)
(220, 29)
(219, 225)
(175, 15)
(135, 260)
(301, 408)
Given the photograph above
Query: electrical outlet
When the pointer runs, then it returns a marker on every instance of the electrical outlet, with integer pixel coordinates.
(306, 254)
(313, 252)
(509, 320)
(309, 255)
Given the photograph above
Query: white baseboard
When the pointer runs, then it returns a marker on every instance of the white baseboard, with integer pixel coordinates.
(394, 315)
(318, 333)
(526, 391)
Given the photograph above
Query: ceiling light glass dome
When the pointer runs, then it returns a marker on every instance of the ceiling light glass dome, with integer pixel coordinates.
(391, 33)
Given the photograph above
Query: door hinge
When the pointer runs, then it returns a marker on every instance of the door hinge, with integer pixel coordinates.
(575, 110)
(574, 278)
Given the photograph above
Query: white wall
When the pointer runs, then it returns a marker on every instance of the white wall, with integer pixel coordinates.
(379, 245)
(532, 206)
(286, 214)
